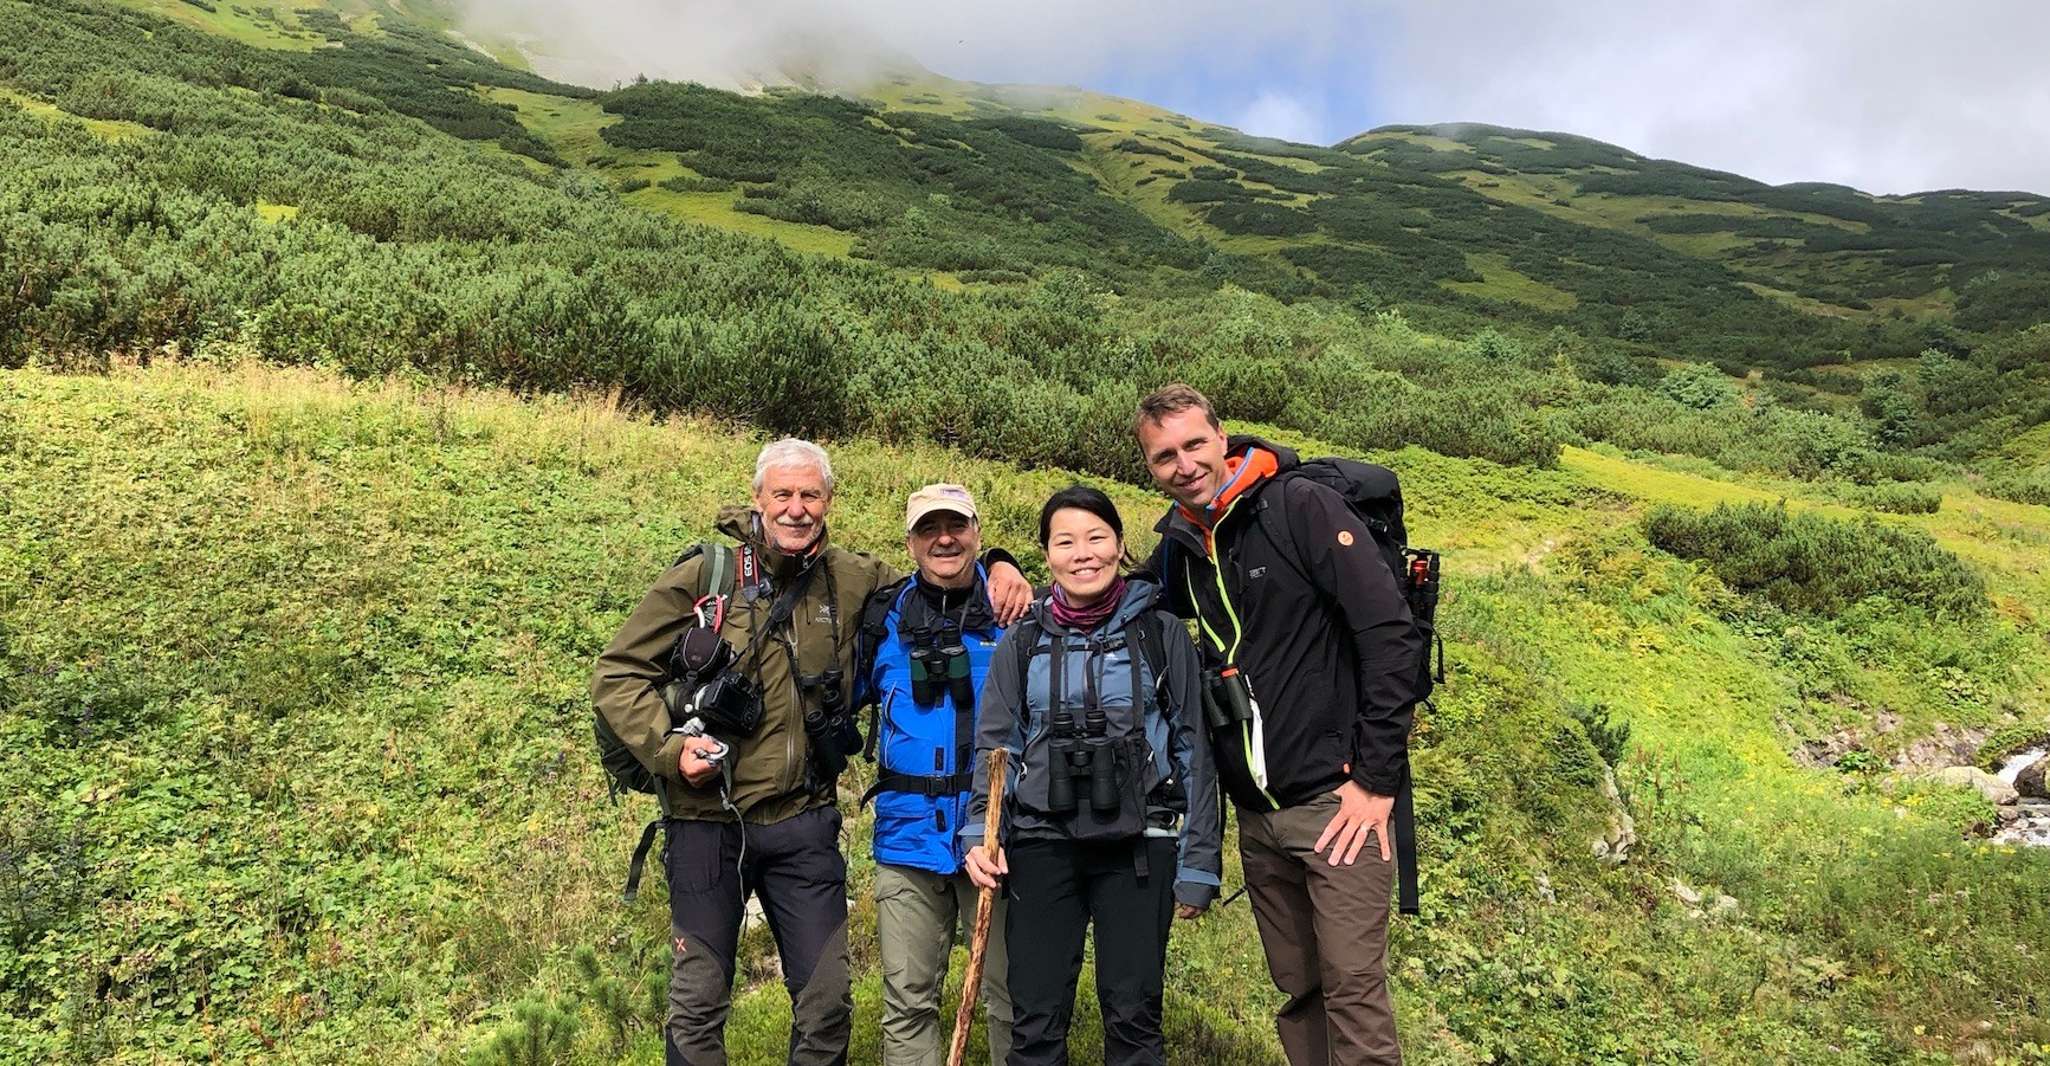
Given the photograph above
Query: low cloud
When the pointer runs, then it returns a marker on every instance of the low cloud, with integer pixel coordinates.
(1885, 95)
(1277, 114)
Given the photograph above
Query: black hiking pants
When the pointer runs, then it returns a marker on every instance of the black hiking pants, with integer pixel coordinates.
(796, 869)
(1056, 889)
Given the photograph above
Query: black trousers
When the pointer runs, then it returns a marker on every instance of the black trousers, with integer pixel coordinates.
(1056, 889)
(796, 868)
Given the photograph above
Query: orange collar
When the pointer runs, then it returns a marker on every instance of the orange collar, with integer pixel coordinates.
(1242, 472)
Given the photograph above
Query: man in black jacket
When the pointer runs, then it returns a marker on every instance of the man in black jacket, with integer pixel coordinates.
(1312, 660)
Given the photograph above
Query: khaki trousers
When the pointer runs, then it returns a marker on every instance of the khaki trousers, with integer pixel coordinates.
(1325, 932)
(917, 913)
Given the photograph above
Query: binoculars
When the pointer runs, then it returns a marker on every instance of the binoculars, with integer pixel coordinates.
(1227, 699)
(1083, 752)
(937, 668)
(832, 731)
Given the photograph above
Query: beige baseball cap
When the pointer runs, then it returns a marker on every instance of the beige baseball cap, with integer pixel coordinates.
(938, 497)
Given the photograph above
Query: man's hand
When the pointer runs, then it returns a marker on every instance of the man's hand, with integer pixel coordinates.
(1009, 593)
(693, 762)
(1188, 913)
(1359, 812)
(986, 868)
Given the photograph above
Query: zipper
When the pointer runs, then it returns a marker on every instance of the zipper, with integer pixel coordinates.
(1238, 636)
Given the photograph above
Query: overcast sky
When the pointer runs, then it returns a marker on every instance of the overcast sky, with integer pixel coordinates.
(1884, 95)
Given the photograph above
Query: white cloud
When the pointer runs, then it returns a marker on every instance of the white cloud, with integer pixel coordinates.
(1278, 114)
(1886, 95)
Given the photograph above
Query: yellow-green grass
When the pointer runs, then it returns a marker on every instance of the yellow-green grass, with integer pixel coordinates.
(279, 30)
(104, 128)
(1798, 302)
(1428, 140)
(1500, 281)
(275, 213)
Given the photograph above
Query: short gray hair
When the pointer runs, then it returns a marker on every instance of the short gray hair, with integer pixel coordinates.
(791, 451)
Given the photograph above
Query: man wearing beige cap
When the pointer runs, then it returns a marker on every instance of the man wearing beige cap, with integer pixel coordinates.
(926, 644)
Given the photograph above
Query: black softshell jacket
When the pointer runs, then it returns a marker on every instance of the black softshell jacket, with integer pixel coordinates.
(1318, 626)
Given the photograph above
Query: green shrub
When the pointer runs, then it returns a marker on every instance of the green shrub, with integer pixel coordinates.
(539, 1034)
(1609, 734)
(1811, 564)
(1898, 497)
(2031, 486)
(1699, 386)
(628, 185)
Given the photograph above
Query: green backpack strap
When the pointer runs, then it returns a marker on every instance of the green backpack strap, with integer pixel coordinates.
(718, 568)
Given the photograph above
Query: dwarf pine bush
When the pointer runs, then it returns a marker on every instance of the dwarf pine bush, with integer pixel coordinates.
(1811, 564)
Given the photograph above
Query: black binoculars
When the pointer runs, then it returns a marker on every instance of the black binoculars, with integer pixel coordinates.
(941, 667)
(1227, 699)
(1081, 752)
(834, 736)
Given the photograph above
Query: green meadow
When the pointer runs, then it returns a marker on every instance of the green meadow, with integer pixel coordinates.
(298, 670)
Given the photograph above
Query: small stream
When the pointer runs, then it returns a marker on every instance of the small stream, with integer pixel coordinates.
(2034, 826)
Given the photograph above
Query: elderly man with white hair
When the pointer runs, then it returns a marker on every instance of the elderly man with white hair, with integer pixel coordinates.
(732, 683)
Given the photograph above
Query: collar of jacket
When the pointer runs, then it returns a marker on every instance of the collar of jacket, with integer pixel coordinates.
(745, 527)
(1140, 595)
(1240, 449)
(919, 608)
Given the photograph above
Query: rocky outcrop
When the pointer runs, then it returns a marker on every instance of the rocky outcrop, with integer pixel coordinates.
(1620, 835)
(2029, 781)
(1995, 790)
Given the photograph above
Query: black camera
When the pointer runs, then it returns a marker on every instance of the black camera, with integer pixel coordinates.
(704, 684)
(729, 703)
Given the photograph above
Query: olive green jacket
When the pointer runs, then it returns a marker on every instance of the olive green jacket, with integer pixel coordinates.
(771, 775)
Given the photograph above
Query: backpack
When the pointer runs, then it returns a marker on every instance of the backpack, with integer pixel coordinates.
(624, 771)
(1375, 494)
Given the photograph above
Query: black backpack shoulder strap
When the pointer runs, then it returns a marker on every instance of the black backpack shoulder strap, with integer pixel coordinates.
(1153, 648)
(1028, 639)
(1271, 510)
(868, 643)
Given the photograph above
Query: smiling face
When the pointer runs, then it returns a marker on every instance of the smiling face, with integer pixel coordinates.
(944, 546)
(793, 501)
(1083, 552)
(1185, 454)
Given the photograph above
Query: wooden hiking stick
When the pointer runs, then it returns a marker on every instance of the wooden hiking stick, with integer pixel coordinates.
(971, 984)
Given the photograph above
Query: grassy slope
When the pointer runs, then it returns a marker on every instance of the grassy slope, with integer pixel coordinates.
(302, 671)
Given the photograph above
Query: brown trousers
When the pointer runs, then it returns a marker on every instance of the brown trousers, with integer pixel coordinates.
(1325, 931)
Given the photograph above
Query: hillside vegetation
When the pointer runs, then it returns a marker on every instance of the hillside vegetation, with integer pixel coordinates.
(354, 384)
(298, 671)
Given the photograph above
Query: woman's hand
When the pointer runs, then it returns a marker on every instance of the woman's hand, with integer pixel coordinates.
(1189, 913)
(986, 868)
